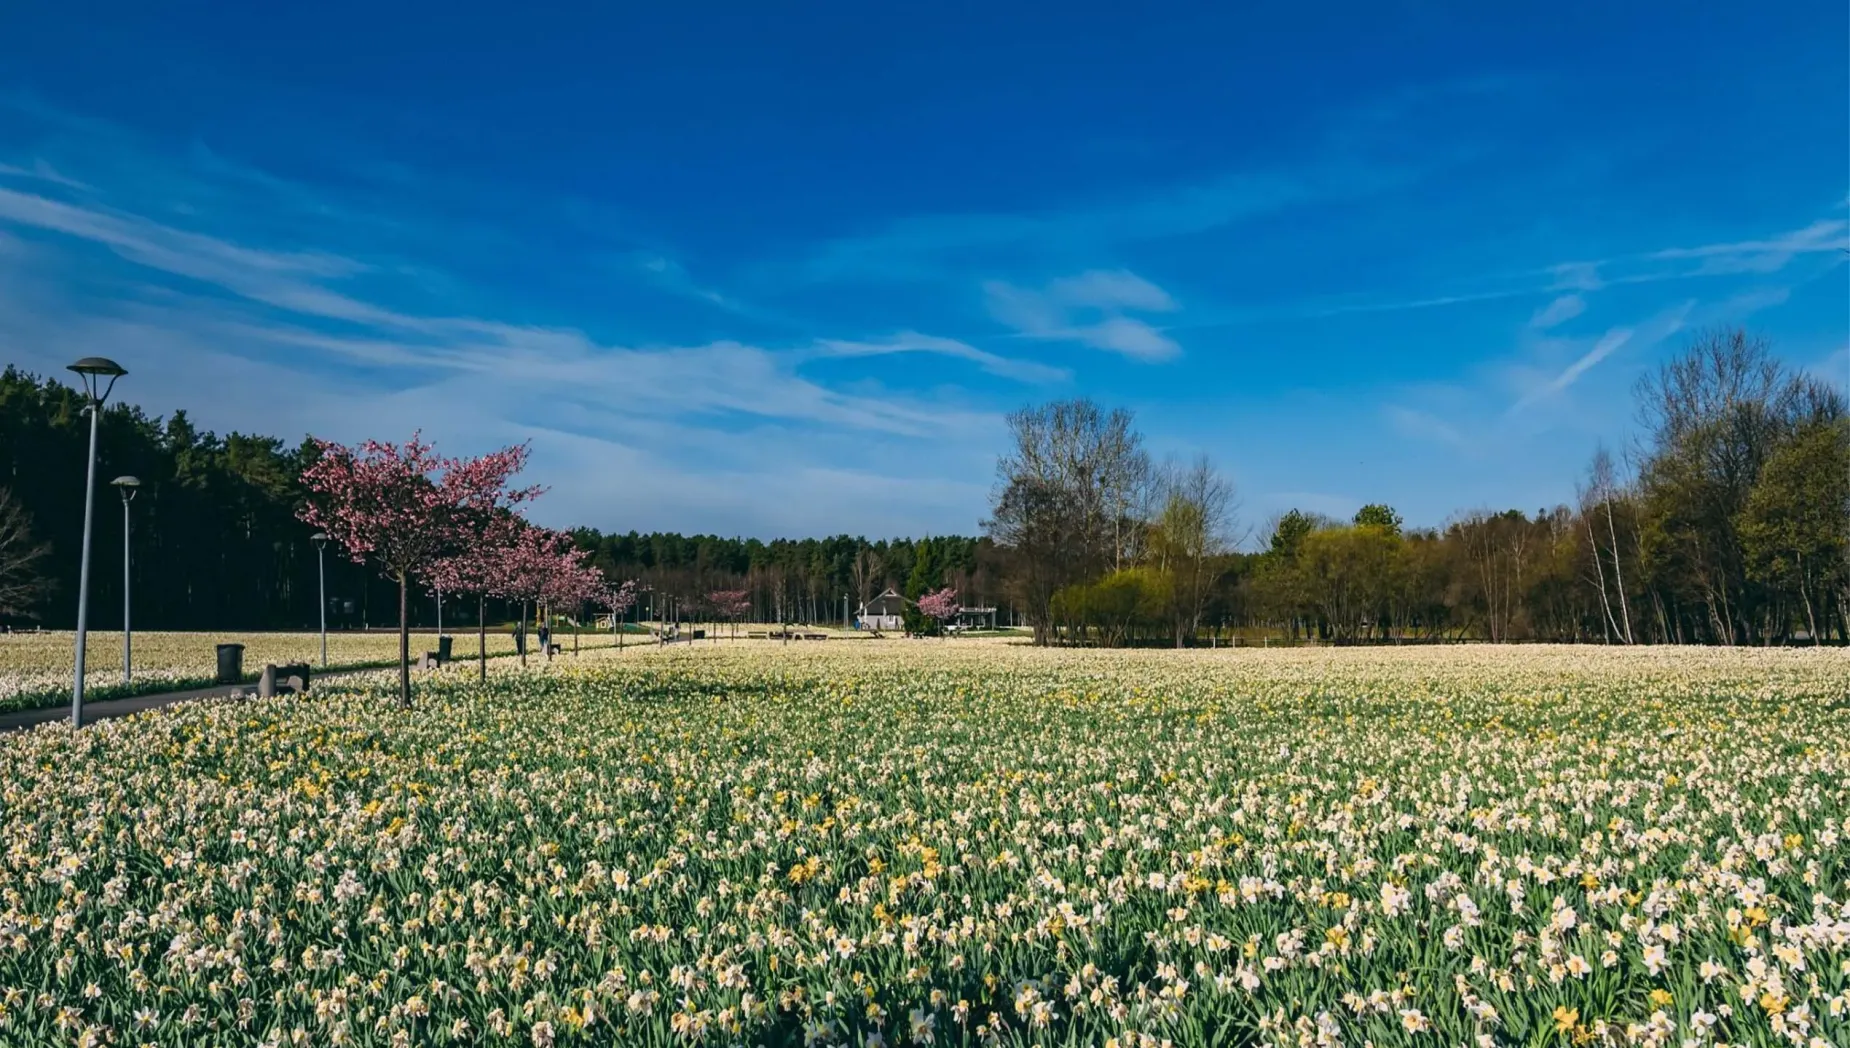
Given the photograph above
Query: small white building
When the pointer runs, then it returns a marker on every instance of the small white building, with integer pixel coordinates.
(885, 612)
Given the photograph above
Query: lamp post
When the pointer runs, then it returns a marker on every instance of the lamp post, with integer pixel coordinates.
(126, 486)
(320, 539)
(93, 370)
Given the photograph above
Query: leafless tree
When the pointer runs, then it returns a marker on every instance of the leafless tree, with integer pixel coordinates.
(1067, 498)
(1596, 498)
(1192, 533)
(1714, 415)
(866, 573)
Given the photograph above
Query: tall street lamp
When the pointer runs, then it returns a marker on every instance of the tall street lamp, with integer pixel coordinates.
(320, 539)
(93, 371)
(126, 487)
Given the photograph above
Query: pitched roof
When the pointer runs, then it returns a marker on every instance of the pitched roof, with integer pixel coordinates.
(887, 603)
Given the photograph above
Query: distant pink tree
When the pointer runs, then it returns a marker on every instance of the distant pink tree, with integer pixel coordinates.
(404, 507)
(573, 584)
(941, 606)
(731, 606)
(479, 567)
(619, 600)
(528, 567)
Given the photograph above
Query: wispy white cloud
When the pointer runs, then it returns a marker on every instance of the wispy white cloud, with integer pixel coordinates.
(1128, 337)
(42, 172)
(1089, 309)
(740, 426)
(1559, 311)
(285, 279)
(295, 281)
(1424, 425)
(1110, 289)
(1651, 332)
(720, 436)
(1574, 276)
(914, 342)
(1571, 282)
(1762, 255)
(917, 247)
(1766, 255)
(1833, 369)
(930, 246)
(1608, 344)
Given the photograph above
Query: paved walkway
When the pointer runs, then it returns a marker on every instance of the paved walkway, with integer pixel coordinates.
(109, 709)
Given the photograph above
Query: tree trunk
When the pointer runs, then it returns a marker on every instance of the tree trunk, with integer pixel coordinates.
(404, 643)
(1599, 571)
(1618, 573)
(523, 633)
(1811, 620)
(481, 634)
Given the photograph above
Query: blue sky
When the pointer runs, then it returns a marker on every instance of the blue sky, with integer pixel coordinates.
(771, 270)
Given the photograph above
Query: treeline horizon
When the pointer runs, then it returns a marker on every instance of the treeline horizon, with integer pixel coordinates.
(1731, 528)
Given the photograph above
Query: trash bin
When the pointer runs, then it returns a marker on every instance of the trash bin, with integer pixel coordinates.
(443, 648)
(230, 663)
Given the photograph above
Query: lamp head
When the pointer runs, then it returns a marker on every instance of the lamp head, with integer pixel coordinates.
(127, 486)
(94, 370)
(319, 538)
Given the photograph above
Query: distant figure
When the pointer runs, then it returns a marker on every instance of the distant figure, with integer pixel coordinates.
(546, 639)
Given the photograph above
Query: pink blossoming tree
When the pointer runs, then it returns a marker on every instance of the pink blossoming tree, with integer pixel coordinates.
(404, 507)
(731, 606)
(478, 568)
(941, 606)
(619, 600)
(528, 567)
(573, 583)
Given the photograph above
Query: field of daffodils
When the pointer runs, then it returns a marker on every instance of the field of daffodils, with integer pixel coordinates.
(963, 842)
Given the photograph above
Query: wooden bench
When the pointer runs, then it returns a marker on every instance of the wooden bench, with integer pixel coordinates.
(292, 677)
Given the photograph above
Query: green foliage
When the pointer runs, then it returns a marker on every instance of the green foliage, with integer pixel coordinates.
(215, 539)
(1124, 605)
(1348, 575)
(1794, 526)
(1290, 532)
(1378, 515)
(927, 575)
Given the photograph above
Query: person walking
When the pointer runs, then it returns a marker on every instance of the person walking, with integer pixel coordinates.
(546, 639)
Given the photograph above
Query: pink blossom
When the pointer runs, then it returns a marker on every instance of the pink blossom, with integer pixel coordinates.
(405, 508)
(941, 605)
(621, 599)
(730, 604)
